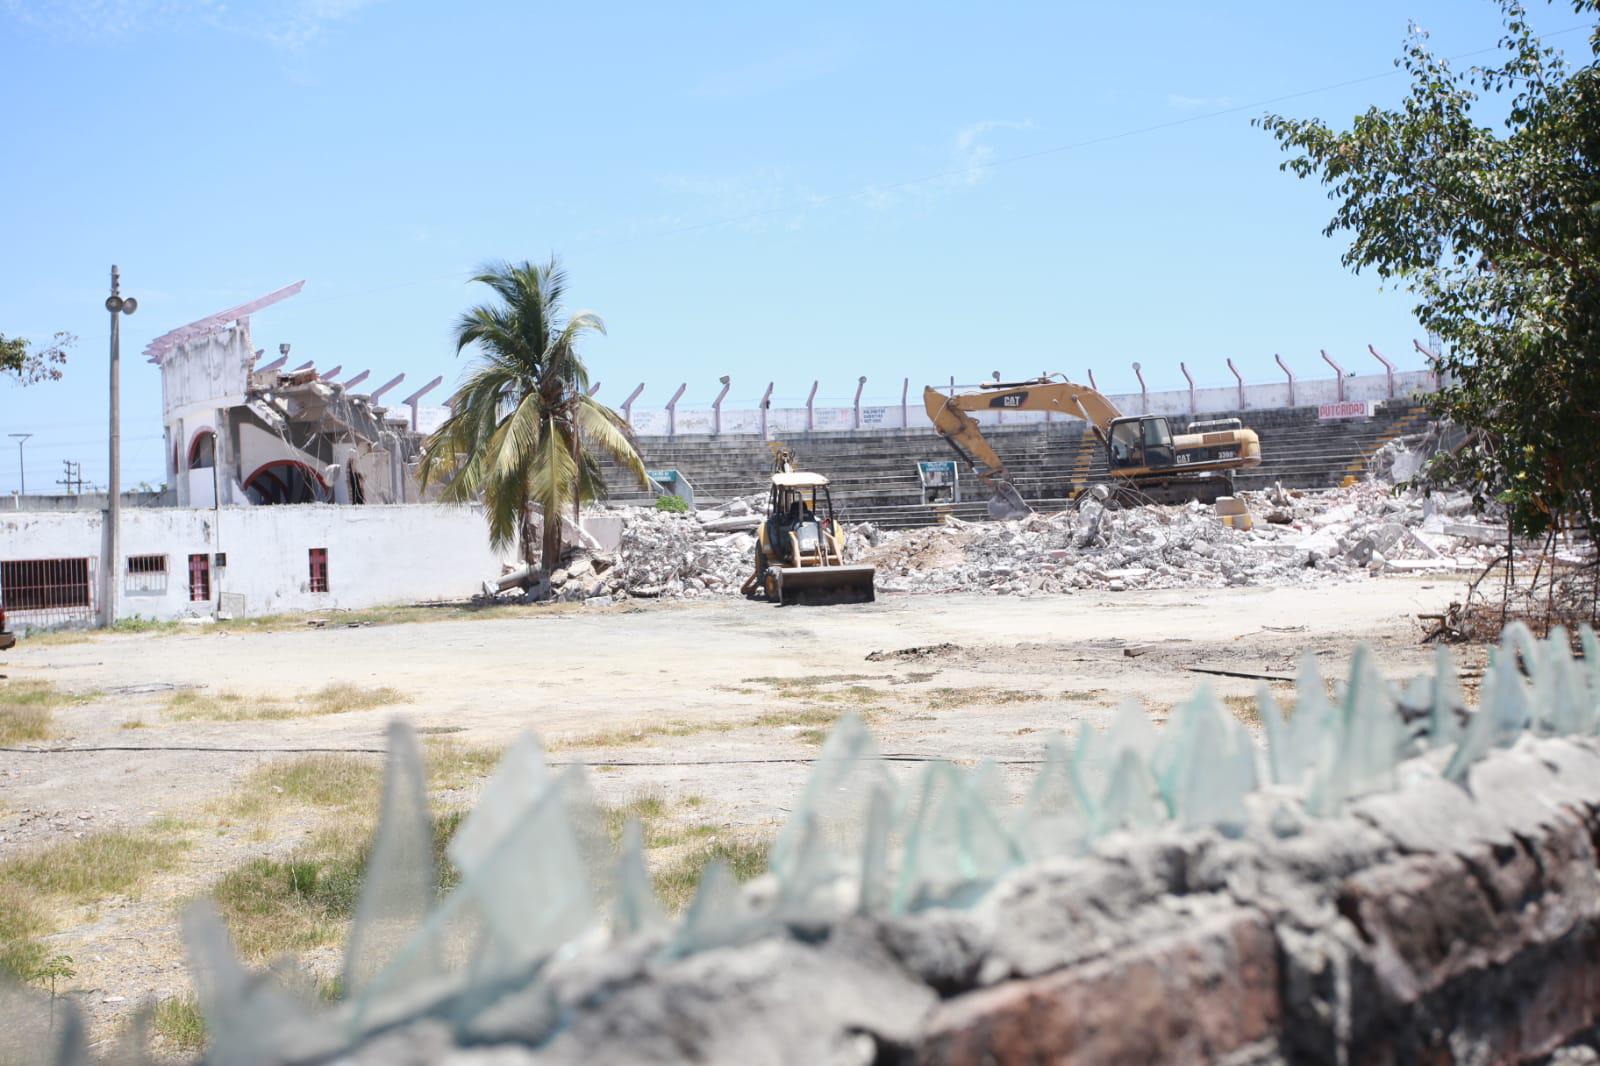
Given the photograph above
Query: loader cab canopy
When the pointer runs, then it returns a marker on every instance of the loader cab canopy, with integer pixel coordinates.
(799, 480)
(800, 496)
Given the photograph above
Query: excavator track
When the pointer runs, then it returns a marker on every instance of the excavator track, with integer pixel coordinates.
(1169, 491)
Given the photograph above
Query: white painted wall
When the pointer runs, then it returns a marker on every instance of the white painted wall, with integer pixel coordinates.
(376, 554)
(213, 371)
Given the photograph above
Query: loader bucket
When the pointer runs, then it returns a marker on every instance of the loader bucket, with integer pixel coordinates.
(825, 584)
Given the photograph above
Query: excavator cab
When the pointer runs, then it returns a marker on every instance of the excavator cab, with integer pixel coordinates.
(1142, 442)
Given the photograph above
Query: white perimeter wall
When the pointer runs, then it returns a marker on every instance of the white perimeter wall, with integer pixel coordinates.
(376, 554)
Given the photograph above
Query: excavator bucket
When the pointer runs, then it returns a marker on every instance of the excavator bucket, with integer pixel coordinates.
(825, 584)
(1007, 502)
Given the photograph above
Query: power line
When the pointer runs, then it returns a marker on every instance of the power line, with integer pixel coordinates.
(975, 168)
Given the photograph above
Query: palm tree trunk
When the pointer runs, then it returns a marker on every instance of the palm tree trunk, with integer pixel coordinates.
(525, 534)
(577, 480)
(550, 547)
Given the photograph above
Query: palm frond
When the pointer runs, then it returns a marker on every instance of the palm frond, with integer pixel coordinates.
(552, 475)
(605, 430)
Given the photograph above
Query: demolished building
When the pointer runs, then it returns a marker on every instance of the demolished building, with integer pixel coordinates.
(242, 433)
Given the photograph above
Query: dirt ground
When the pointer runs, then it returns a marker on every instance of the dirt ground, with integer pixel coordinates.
(660, 698)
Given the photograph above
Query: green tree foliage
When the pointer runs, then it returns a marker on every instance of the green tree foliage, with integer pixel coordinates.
(523, 431)
(29, 364)
(1496, 229)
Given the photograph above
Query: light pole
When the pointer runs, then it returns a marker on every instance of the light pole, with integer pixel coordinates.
(118, 305)
(22, 474)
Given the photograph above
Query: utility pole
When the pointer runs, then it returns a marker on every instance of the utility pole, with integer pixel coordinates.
(22, 474)
(117, 305)
(71, 477)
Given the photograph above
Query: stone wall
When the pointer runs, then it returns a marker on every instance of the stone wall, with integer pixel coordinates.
(1437, 923)
(1428, 925)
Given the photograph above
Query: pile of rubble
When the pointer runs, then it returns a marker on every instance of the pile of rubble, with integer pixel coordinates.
(686, 555)
(658, 554)
(1299, 538)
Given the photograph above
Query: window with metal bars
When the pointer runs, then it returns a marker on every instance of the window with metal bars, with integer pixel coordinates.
(319, 569)
(146, 573)
(44, 584)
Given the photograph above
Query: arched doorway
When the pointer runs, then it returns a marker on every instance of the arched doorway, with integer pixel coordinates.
(202, 450)
(286, 481)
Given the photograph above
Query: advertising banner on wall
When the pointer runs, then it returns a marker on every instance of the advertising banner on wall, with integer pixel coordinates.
(1328, 412)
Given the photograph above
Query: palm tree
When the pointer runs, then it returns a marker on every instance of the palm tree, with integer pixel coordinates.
(523, 431)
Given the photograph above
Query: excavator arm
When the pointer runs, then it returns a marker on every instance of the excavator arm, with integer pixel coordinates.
(950, 416)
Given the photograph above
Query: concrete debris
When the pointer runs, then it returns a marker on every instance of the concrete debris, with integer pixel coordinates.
(1306, 537)
(920, 652)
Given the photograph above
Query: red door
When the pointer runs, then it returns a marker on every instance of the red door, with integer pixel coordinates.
(199, 577)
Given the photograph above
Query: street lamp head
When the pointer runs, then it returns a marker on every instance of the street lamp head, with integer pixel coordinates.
(113, 304)
(130, 305)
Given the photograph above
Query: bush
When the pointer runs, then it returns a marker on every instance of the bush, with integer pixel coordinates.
(672, 504)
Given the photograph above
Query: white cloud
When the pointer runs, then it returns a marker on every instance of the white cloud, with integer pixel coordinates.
(968, 161)
(287, 24)
(972, 150)
(1199, 103)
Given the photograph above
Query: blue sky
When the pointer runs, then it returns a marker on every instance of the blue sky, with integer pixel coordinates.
(736, 188)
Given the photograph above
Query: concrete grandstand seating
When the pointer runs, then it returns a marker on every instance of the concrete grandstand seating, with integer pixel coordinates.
(874, 475)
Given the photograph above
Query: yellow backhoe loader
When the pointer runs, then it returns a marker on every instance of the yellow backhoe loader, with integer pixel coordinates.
(800, 546)
(1146, 462)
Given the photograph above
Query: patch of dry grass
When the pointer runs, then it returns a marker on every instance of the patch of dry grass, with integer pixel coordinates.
(809, 681)
(90, 868)
(303, 900)
(644, 733)
(339, 698)
(349, 783)
(26, 710)
(745, 857)
(306, 899)
(690, 846)
(947, 699)
(806, 719)
(179, 1024)
(1244, 708)
(658, 817)
(454, 765)
(77, 871)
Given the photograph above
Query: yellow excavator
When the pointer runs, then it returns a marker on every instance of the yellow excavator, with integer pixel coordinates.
(1147, 463)
(800, 545)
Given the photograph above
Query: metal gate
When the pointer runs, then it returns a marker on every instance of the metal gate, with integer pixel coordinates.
(49, 593)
